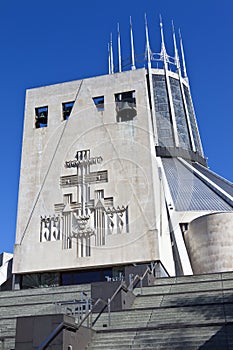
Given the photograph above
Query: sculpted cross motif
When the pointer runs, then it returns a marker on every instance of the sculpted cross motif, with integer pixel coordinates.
(88, 220)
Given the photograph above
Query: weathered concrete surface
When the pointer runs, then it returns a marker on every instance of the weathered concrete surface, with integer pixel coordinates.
(128, 153)
(209, 243)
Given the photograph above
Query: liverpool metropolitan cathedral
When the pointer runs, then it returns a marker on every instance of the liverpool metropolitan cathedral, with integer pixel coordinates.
(113, 177)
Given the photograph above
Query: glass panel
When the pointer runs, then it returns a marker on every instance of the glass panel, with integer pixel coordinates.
(181, 122)
(192, 119)
(163, 117)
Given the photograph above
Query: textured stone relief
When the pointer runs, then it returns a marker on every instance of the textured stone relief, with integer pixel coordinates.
(87, 220)
(50, 228)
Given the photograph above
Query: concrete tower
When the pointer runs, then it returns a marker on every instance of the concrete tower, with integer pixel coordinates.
(113, 178)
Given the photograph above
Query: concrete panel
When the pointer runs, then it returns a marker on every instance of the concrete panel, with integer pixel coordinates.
(209, 241)
(31, 331)
(118, 196)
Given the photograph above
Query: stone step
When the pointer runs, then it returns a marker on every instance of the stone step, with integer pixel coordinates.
(48, 307)
(188, 338)
(7, 344)
(48, 290)
(130, 319)
(185, 288)
(147, 301)
(199, 314)
(155, 345)
(224, 276)
(57, 294)
(176, 305)
(109, 334)
(109, 346)
(27, 310)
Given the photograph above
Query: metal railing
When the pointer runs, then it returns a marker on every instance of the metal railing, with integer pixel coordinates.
(106, 304)
(76, 308)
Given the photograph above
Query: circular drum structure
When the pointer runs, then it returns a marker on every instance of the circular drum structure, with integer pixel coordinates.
(209, 241)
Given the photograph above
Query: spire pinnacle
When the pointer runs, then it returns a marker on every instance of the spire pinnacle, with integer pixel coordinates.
(119, 47)
(109, 60)
(148, 52)
(182, 55)
(163, 48)
(111, 56)
(177, 60)
(132, 46)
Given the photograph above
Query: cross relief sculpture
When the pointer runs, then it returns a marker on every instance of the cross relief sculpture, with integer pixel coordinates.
(87, 220)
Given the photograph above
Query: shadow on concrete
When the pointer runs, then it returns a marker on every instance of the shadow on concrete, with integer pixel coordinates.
(210, 321)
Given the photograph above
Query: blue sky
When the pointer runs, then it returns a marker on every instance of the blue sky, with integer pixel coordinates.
(46, 42)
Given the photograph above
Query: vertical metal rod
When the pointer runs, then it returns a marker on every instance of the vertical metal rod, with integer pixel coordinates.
(111, 55)
(109, 312)
(90, 322)
(119, 47)
(132, 46)
(183, 57)
(109, 60)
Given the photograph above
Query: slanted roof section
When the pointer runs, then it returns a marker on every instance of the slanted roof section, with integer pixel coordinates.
(218, 180)
(189, 192)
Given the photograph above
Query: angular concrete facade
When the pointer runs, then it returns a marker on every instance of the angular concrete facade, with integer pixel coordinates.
(112, 174)
(122, 189)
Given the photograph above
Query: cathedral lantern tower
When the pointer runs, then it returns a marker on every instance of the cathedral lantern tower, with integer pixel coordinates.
(113, 175)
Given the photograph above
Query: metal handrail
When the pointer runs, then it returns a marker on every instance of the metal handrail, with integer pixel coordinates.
(55, 332)
(141, 278)
(65, 325)
(108, 303)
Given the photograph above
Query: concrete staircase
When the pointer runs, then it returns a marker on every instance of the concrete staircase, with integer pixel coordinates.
(30, 302)
(194, 312)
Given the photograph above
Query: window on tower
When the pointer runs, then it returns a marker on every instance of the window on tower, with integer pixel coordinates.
(125, 106)
(41, 117)
(66, 109)
(99, 103)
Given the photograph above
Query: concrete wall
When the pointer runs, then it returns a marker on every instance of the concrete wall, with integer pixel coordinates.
(128, 153)
(209, 241)
(105, 290)
(32, 331)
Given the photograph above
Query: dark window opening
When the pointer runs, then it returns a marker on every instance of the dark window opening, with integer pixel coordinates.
(82, 277)
(41, 118)
(99, 103)
(39, 280)
(125, 106)
(66, 109)
(69, 243)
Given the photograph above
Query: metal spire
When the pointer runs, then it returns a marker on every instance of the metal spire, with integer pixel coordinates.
(109, 60)
(182, 55)
(177, 60)
(111, 56)
(147, 44)
(152, 102)
(119, 48)
(164, 55)
(163, 48)
(132, 46)
(190, 130)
